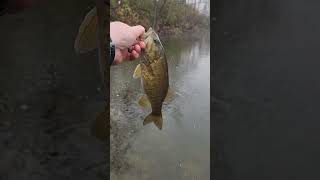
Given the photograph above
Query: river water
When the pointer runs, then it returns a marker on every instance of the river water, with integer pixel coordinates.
(50, 96)
(181, 150)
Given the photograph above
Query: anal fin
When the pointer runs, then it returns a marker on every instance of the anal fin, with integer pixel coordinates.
(170, 95)
(137, 72)
(144, 101)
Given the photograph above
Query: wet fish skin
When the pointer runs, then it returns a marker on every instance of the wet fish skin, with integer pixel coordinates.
(154, 76)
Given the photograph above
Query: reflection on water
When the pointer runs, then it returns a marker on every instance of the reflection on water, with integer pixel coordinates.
(182, 149)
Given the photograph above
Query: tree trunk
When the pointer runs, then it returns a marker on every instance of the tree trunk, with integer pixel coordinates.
(155, 14)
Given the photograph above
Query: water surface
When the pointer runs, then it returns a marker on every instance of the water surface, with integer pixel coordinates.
(181, 150)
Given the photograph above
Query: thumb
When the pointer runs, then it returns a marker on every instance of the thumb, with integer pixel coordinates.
(137, 30)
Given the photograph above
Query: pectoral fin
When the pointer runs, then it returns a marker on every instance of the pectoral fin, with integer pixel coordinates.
(170, 95)
(86, 39)
(144, 101)
(137, 72)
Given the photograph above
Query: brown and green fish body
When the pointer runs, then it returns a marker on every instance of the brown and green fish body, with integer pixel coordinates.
(153, 70)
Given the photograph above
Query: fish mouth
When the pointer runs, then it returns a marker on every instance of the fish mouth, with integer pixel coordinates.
(148, 33)
(150, 36)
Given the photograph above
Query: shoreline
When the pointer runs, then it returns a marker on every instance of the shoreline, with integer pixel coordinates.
(195, 34)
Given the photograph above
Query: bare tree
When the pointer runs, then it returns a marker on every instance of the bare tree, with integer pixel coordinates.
(155, 14)
(162, 6)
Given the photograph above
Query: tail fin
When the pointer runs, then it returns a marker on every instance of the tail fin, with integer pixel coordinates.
(156, 119)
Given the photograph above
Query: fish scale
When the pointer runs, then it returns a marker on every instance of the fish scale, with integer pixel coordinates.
(154, 77)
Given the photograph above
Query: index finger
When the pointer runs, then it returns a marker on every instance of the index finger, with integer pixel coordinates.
(137, 30)
(142, 45)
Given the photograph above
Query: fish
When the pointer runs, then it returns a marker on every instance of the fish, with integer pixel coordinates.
(86, 39)
(153, 73)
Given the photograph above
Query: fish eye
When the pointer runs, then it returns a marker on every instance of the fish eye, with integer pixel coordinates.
(155, 41)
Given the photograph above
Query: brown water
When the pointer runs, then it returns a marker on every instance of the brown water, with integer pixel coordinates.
(182, 149)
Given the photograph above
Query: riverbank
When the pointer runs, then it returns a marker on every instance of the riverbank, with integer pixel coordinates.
(167, 17)
(196, 34)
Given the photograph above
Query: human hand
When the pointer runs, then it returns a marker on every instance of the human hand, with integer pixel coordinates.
(127, 40)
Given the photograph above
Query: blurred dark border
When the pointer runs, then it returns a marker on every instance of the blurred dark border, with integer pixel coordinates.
(213, 20)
